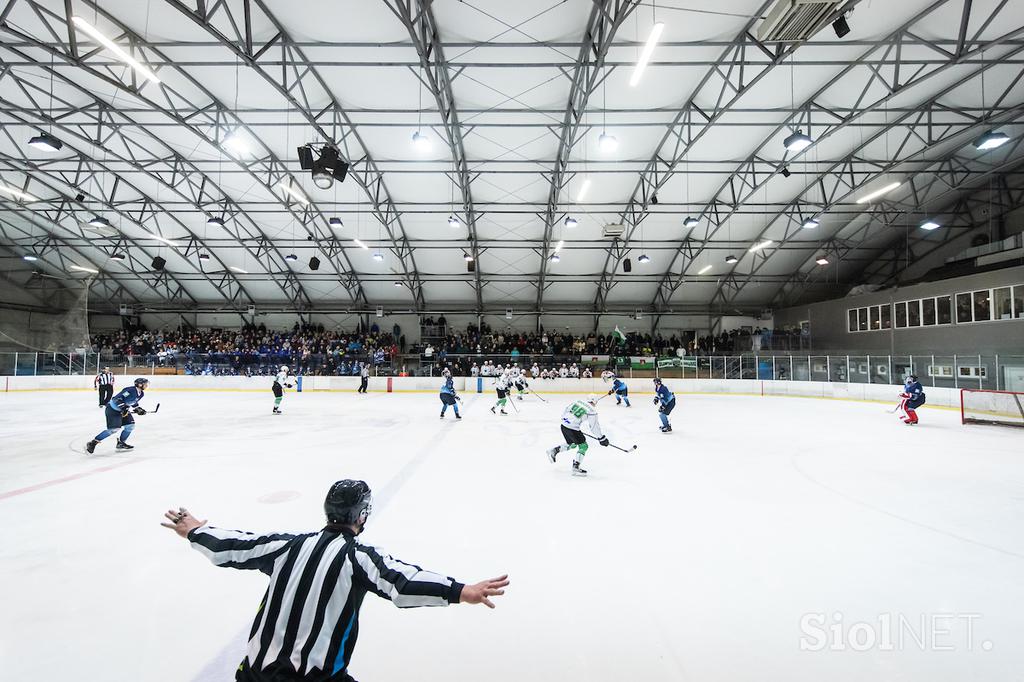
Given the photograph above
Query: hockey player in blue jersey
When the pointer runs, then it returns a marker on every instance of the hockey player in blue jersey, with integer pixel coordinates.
(448, 396)
(913, 398)
(119, 415)
(618, 388)
(666, 402)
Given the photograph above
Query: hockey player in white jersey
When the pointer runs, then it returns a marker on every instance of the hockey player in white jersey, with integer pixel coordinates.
(281, 381)
(518, 379)
(501, 387)
(580, 414)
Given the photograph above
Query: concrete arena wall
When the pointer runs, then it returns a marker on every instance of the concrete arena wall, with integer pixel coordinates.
(937, 397)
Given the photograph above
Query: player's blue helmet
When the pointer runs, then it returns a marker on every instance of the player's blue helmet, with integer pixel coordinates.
(141, 382)
(657, 381)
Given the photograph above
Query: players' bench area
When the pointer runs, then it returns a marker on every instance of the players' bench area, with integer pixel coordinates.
(884, 393)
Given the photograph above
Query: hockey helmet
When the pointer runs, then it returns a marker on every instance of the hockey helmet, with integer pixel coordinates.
(657, 381)
(284, 368)
(347, 501)
(141, 382)
(592, 400)
(911, 377)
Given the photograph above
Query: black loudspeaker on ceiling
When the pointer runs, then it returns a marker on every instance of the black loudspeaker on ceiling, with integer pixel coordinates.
(627, 265)
(158, 263)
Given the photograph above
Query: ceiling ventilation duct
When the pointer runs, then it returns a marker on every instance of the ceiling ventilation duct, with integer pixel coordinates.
(613, 230)
(791, 21)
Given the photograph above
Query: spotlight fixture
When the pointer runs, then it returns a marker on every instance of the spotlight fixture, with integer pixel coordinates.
(570, 222)
(930, 225)
(336, 223)
(30, 258)
(420, 141)
(607, 143)
(690, 221)
(467, 257)
(106, 42)
(554, 258)
(204, 256)
(291, 258)
(797, 142)
(706, 268)
(822, 260)
(119, 257)
(325, 169)
(215, 221)
(878, 192)
(314, 263)
(99, 222)
(991, 140)
(45, 142)
(730, 259)
(644, 258)
(378, 256)
(840, 26)
(398, 285)
(453, 221)
(810, 224)
(785, 172)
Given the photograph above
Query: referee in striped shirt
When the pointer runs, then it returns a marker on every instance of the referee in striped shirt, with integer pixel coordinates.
(104, 381)
(308, 622)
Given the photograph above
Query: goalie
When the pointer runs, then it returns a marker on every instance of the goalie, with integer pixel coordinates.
(912, 398)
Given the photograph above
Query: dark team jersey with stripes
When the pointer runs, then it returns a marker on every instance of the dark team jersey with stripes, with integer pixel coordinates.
(308, 621)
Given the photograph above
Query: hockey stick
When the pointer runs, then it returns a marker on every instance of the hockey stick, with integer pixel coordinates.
(611, 444)
(898, 406)
(532, 392)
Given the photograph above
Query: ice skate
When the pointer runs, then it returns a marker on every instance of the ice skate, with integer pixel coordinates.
(458, 416)
(553, 454)
(577, 470)
(123, 446)
(90, 447)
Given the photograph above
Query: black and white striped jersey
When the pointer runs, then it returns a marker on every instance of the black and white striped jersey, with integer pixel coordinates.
(308, 621)
(104, 379)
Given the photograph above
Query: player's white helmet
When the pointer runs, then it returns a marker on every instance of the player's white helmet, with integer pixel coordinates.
(284, 368)
(592, 400)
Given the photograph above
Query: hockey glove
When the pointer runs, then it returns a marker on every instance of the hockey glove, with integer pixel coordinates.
(661, 408)
(611, 391)
(904, 395)
(603, 441)
(139, 411)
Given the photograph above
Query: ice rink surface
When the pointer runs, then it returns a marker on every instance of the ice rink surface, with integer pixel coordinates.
(766, 539)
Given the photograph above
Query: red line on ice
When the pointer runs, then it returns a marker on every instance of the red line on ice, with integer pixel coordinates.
(65, 479)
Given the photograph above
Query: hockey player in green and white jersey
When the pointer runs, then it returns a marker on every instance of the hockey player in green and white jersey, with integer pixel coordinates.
(281, 381)
(501, 386)
(577, 415)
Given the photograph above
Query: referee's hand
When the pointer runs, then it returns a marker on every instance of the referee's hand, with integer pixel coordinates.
(479, 593)
(181, 521)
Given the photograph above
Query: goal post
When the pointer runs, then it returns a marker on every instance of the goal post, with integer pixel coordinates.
(1003, 408)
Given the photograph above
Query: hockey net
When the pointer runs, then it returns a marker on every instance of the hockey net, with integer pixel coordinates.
(1004, 408)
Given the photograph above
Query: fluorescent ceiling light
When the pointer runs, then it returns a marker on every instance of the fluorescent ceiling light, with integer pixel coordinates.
(294, 193)
(215, 221)
(398, 284)
(690, 221)
(29, 257)
(420, 141)
(822, 260)
(930, 225)
(204, 256)
(810, 224)
(378, 256)
(645, 55)
(584, 188)
(644, 258)
(83, 269)
(561, 243)
(730, 259)
(453, 221)
(237, 269)
(554, 258)
(169, 242)
(704, 269)
(879, 192)
(119, 257)
(17, 193)
(360, 244)
(98, 222)
(991, 140)
(336, 223)
(106, 42)
(571, 222)
(797, 142)
(467, 257)
(760, 245)
(291, 257)
(607, 143)
(45, 142)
